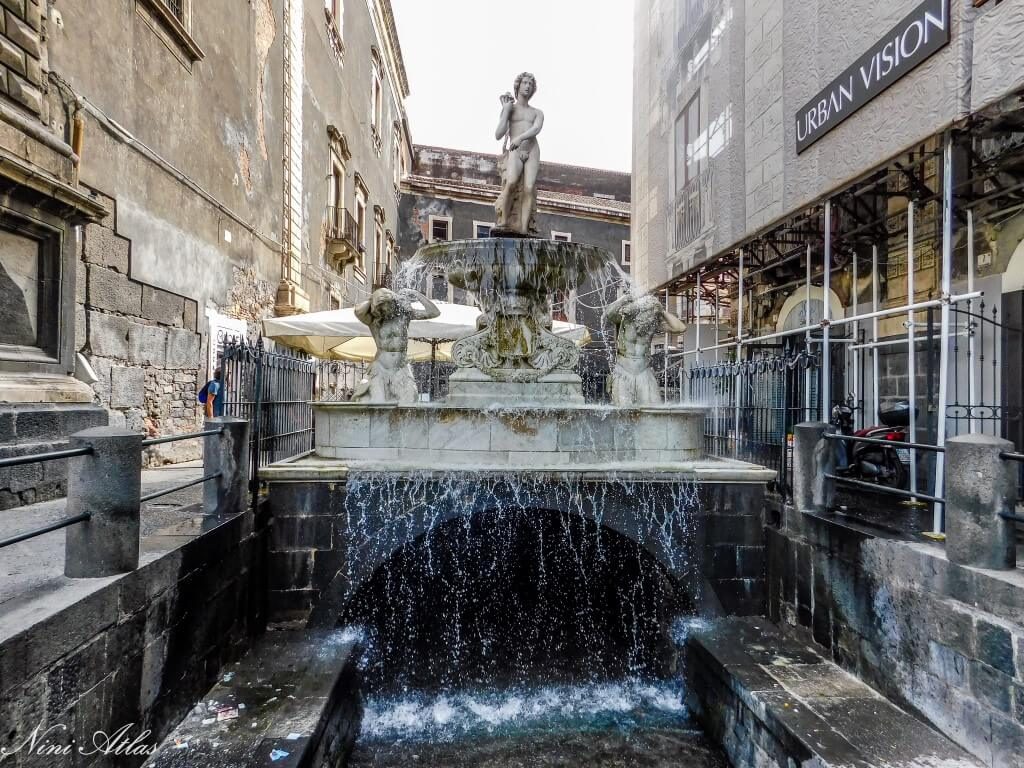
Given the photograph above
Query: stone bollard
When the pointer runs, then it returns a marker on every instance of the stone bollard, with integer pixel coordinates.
(813, 457)
(106, 483)
(227, 453)
(979, 486)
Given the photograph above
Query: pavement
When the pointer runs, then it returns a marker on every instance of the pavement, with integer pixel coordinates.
(38, 564)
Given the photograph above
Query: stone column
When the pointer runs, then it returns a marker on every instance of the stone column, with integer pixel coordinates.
(227, 453)
(813, 458)
(106, 483)
(979, 486)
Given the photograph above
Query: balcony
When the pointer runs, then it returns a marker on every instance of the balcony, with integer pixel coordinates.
(343, 246)
(693, 210)
(382, 275)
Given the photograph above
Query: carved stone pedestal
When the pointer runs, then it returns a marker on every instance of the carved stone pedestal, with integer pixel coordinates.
(473, 387)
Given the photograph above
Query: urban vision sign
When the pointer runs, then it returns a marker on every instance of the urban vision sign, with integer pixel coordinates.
(912, 41)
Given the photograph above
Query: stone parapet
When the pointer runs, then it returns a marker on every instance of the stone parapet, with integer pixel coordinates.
(438, 435)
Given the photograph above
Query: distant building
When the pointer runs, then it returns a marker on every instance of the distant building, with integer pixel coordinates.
(450, 195)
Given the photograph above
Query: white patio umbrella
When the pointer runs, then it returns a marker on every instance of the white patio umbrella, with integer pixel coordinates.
(339, 335)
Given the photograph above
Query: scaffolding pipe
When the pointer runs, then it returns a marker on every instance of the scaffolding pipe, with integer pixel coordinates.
(911, 339)
(807, 337)
(857, 417)
(946, 289)
(900, 310)
(698, 314)
(739, 359)
(874, 333)
(972, 380)
(826, 316)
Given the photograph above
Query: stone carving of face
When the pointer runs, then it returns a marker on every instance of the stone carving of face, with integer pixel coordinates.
(526, 84)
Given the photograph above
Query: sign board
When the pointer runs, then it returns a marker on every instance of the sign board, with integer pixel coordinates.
(925, 31)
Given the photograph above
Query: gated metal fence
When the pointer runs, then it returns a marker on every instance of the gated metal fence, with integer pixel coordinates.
(754, 405)
(273, 390)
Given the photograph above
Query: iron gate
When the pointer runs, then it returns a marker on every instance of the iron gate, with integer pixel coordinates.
(273, 390)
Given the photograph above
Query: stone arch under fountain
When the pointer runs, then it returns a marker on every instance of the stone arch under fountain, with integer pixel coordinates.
(505, 593)
(380, 515)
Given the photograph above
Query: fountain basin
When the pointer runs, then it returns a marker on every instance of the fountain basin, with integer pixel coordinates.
(580, 438)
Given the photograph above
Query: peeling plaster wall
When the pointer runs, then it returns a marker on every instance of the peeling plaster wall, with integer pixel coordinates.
(216, 121)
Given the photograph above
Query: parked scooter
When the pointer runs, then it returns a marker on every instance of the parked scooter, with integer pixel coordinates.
(871, 462)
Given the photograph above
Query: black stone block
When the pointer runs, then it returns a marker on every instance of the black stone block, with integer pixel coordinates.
(990, 686)
(310, 532)
(291, 570)
(995, 647)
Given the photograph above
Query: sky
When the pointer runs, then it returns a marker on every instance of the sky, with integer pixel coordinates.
(461, 55)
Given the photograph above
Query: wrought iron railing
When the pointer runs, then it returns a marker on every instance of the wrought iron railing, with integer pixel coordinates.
(342, 225)
(693, 209)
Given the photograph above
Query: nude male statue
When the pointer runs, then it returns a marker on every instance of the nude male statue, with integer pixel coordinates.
(388, 314)
(519, 125)
(637, 319)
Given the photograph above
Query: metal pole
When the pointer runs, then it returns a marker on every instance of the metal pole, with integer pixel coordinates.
(739, 358)
(718, 292)
(972, 378)
(911, 357)
(807, 339)
(826, 315)
(874, 333)
(857, 415)
(698, 315)
(947, 280)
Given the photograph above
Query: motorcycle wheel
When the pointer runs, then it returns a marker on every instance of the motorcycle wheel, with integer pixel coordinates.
(894, 474)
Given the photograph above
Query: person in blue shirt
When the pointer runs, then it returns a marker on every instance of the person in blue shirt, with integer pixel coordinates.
(215, 395)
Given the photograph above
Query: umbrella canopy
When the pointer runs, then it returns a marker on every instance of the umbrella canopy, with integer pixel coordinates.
(339, 335)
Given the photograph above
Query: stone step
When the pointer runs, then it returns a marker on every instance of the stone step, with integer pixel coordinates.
(770, 698)
(292, 701)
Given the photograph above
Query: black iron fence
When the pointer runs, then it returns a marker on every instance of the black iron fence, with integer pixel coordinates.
(754, 405)
(272, 389)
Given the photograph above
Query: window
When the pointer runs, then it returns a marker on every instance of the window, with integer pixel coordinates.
(361, 228)
(440, 228)
(482, 229)
(378, 248)
(690, 143)
(334, 11)
(29, 295)
(377, 103)
(336, 193)
(172, 20)
(562, 237)
(389, 251)
(396, 158)
(627, 258)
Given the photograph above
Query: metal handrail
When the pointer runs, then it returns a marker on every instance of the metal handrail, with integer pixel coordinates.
(177, 438)
(1010, 456)
(179, 487)
(17, 461)
(885, 489)
(45, 529)
(890, 443)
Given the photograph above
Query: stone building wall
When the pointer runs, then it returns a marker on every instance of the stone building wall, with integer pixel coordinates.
(142, 342)
(22, 55)
(941, 640)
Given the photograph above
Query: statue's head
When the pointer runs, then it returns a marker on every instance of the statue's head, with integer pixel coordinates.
(523, 78)
(385, 303)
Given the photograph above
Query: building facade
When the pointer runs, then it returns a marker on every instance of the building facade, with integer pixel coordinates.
(195, 163)
(450, 194)
(831, 193)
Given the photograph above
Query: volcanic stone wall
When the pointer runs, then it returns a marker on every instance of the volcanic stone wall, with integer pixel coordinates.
(942, 640)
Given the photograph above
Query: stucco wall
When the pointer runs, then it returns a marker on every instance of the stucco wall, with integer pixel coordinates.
(340, 95)
(215, 122)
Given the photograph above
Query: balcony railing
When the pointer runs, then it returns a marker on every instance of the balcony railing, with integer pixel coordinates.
(343, 237)
(693, 209)
(382, 275)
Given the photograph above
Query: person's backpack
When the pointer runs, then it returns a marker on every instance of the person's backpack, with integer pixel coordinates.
(201, 397)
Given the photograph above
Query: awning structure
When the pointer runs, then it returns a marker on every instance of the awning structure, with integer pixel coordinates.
(339, 335)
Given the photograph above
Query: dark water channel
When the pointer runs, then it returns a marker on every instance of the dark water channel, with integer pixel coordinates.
(525, 638)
